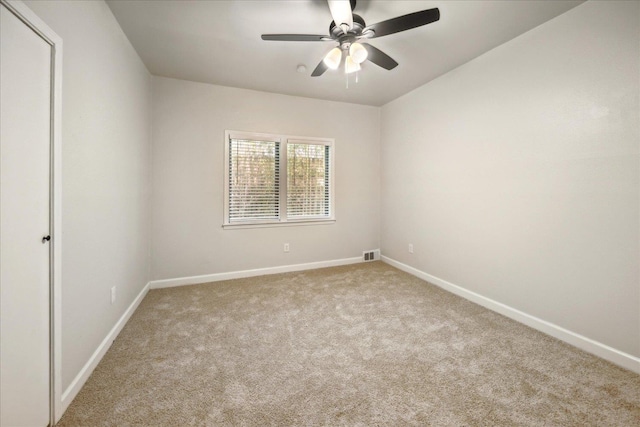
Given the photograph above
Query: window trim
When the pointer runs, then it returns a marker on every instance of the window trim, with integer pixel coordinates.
(283, 140)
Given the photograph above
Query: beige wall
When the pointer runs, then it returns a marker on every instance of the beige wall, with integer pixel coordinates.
(516, 176)
(106, 148)
(189, 120)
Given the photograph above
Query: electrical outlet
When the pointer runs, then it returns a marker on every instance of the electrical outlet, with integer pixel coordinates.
(113, 295)
(286, 247)
(410, 248)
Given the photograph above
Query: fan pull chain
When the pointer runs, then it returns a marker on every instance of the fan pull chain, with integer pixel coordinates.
(347, 79)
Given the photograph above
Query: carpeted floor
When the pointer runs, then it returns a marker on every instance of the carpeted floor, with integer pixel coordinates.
(359, 345)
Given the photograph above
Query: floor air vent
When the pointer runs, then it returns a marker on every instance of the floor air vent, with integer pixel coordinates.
(373, 255)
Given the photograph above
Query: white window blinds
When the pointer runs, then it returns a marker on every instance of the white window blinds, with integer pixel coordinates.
(307, 180)
(275, 179)
(254, 171)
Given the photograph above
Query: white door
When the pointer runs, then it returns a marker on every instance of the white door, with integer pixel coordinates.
(25, 114)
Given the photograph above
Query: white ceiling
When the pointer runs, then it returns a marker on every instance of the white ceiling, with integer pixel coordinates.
(219, 42)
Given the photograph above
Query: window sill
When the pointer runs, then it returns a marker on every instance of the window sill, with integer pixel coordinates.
(279, 224)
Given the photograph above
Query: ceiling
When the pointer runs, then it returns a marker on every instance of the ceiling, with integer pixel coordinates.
(219, 42)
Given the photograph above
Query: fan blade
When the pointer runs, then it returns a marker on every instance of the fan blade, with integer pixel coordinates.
(341, 12)
(402, 23)
(380, 58)
(296, 37)
(320, 69)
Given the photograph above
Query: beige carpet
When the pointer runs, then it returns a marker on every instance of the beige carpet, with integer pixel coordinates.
(359, 345)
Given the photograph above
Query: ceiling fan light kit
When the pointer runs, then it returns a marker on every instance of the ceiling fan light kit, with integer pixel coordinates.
(351, 66)
(348, 28)
(333, 58)
(358, 53)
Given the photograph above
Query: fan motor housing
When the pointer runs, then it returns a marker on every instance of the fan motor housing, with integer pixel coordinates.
(356, 30)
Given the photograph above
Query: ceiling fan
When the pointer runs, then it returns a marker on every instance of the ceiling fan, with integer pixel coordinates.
(348, 29)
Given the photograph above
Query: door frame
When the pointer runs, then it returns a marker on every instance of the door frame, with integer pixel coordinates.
(29, 18)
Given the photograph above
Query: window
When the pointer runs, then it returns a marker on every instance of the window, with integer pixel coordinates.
(277, 179)
(254, 178)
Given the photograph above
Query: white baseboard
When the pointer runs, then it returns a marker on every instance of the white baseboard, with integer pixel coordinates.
(587, 344)
(77, 383)
(194, 280)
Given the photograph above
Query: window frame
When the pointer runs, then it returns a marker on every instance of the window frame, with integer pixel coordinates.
(283, 140)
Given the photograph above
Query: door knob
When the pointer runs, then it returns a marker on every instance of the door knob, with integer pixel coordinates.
(46, 239)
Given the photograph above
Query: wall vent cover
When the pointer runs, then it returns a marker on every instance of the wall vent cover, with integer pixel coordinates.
(372, 255)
